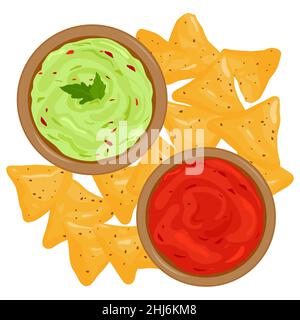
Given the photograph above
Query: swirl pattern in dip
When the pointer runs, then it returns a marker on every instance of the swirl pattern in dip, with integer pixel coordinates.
(101, 128)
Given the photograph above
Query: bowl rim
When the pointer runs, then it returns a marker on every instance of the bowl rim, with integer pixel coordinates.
(220, 279)
(76, 33)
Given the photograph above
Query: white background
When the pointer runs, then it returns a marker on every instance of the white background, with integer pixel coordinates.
(27, 270)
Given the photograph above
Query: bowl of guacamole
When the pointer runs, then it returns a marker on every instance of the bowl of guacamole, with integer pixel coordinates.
(88, 98)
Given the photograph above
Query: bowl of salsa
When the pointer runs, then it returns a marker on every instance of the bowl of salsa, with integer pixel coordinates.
(210, 227)
(89, 96)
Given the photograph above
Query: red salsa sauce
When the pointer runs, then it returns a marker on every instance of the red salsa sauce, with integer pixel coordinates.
(206, 224)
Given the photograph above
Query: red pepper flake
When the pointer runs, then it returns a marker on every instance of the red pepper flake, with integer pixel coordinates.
(43, 122)
(109, 143)
(131, 67)
(136, 101)
(70, 52)
(46, 109)
(74, 79)
(40, 72)
(109, 54)
(113, 130)
(54, 72)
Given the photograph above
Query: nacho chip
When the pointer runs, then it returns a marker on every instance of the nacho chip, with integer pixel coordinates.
(253, 70)
(38, 188)
(160, 151)
(123, 249)
(188, 52)
(77, 206)
(180, 117)
(152, 41)
(87, 256)
(122, 188)
(213, 90)
(178, 65)
(253, 132)
(277, 178)
(189, 36)
(113, 187)
(175, 63)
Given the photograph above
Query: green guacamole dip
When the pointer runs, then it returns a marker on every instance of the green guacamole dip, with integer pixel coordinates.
(95, 128)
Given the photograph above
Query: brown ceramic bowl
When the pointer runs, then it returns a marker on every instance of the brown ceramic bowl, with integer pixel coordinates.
(49, 151)
(214, 280)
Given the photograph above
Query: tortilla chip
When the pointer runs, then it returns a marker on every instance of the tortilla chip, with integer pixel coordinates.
(152, 41)
(277, 178)
(160, 151)
(180, 117)
(253, 132)
(113, 187)
(188, 52)
(189, 36)
(124, 250)
(38, 188)
(87, 256)
(175, 63)
(253, 70)
(122, 189)
(77, 206)
(213, 90)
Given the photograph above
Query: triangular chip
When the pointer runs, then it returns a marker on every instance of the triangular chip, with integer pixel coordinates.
(87, 256)
(38, 188)
(277, 178)
(160, 151)
(113, 187)
(188, 52)
(253, 132)
(180, 118)
(253, 70)
(152, 41)
(175, 64)
(122, 189)
(213, 90)
(124, 250)
(78, 206)
(189, 36)
(139, 176)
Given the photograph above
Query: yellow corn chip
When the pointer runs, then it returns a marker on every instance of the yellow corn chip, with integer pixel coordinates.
(253, 70)
(213, 90)
(160, 151)
(253, 132)
(113, 187)
(124, 250)
(87, 257)
(138, 178)
(180, 117)
(122, 188)
(152, 41)
(175, 63)
(78, 206)
(277, 178)
(178, 65)
(188, 52)
(189, 36)
(38, 188)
